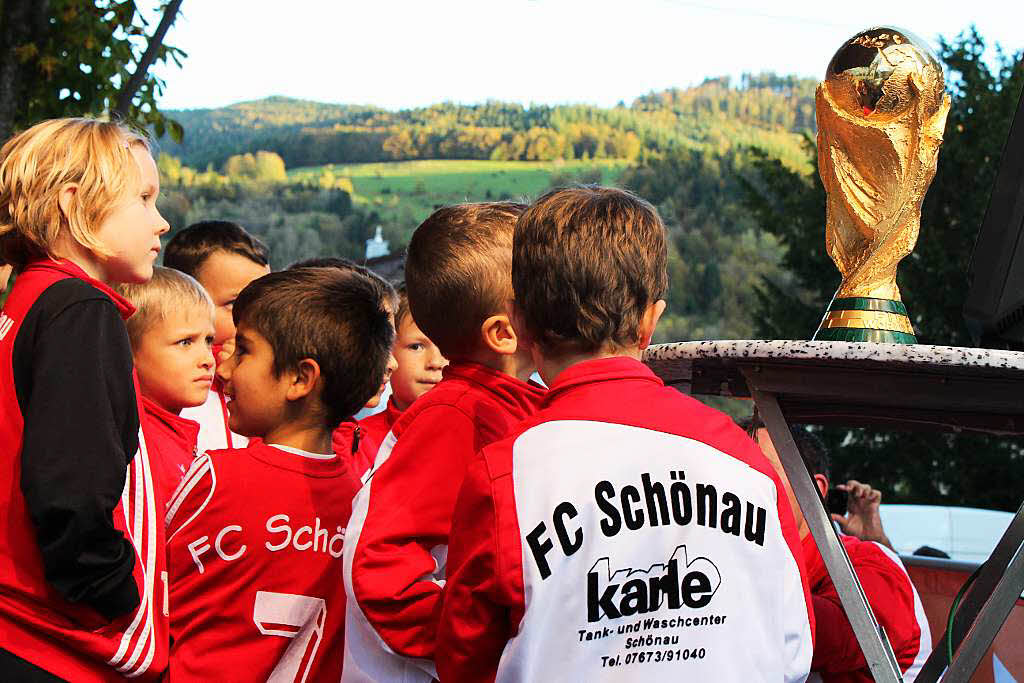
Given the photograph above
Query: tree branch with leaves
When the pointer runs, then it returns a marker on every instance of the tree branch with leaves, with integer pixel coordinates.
(73, 58)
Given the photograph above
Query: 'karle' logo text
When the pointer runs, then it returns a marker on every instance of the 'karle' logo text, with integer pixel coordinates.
(629, 591)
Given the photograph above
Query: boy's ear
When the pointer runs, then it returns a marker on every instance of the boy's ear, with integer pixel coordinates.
(305, 379)
(650, 321)
(499, 335)
(66, 197)
(821, 481)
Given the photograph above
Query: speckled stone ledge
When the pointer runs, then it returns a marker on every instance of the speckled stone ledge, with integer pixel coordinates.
(675, 360)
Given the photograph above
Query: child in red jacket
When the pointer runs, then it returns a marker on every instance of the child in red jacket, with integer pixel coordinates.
(223, 257)
(418, 368)
(172, 338)
(81, 544)
(255, 535)
(625, 532)
(458, 273)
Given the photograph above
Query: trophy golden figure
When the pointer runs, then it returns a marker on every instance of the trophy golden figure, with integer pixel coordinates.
(881, 112)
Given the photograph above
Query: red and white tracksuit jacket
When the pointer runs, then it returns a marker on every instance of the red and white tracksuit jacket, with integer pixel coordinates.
(894, 600)
(624, 533)
(398, 535)
(82, 551)
(368, 435)
(374, 428)
(255, 540)
(172, 445)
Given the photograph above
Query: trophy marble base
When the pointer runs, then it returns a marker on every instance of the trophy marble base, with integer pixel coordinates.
(862, 319)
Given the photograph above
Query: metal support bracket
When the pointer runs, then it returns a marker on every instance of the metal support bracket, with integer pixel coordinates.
(870, 636)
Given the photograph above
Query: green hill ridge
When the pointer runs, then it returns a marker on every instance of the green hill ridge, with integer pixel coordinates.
(765, 110)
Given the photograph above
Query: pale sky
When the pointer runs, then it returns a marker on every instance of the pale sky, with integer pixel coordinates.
(399, 54)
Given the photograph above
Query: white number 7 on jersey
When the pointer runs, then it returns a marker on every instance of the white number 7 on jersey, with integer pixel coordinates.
(299, 617)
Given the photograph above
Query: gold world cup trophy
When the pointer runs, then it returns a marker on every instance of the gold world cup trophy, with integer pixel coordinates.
(881, 112)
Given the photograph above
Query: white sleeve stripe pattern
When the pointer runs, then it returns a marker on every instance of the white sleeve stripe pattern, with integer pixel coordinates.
(367, 657)
(143, 525)
(381, 457)
(130, 631)
(149, 634)
(924, 645)
(200, 468)
(195, 471)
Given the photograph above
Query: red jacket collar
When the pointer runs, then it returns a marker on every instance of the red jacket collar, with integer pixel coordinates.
(392, 412)
(589, 372)
(183, 428)
(518, 396)
(346, 437)
(70, 269)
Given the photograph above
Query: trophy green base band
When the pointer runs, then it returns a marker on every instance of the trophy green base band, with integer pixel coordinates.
(862, 319)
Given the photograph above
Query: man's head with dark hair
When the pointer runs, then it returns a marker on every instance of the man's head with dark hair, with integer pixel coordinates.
(588, 264)
(224, 258)
(458, 272)
(323, 316)
(860, 517)
(812, 448)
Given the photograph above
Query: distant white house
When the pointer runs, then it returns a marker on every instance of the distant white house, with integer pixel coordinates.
(377, 246)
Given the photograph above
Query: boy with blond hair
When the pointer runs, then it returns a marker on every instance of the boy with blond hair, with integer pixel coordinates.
(418, 366)
(625, 532)
(255, 534)
(82, 548)
(171, 334)
(458, 274)
(223, 257)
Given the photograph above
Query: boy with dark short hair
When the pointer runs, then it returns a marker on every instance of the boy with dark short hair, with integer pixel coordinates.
(224, 258)
(458, 273)
(625, 532)
(255, 535)
(390, 299)
(350, 433)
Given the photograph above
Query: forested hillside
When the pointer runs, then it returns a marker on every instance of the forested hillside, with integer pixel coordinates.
(766, 110)
(315, 178)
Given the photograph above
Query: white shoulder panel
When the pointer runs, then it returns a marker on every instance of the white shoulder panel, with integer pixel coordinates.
(650, 556)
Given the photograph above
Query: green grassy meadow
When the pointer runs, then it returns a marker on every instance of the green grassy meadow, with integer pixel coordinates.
(404, 193)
